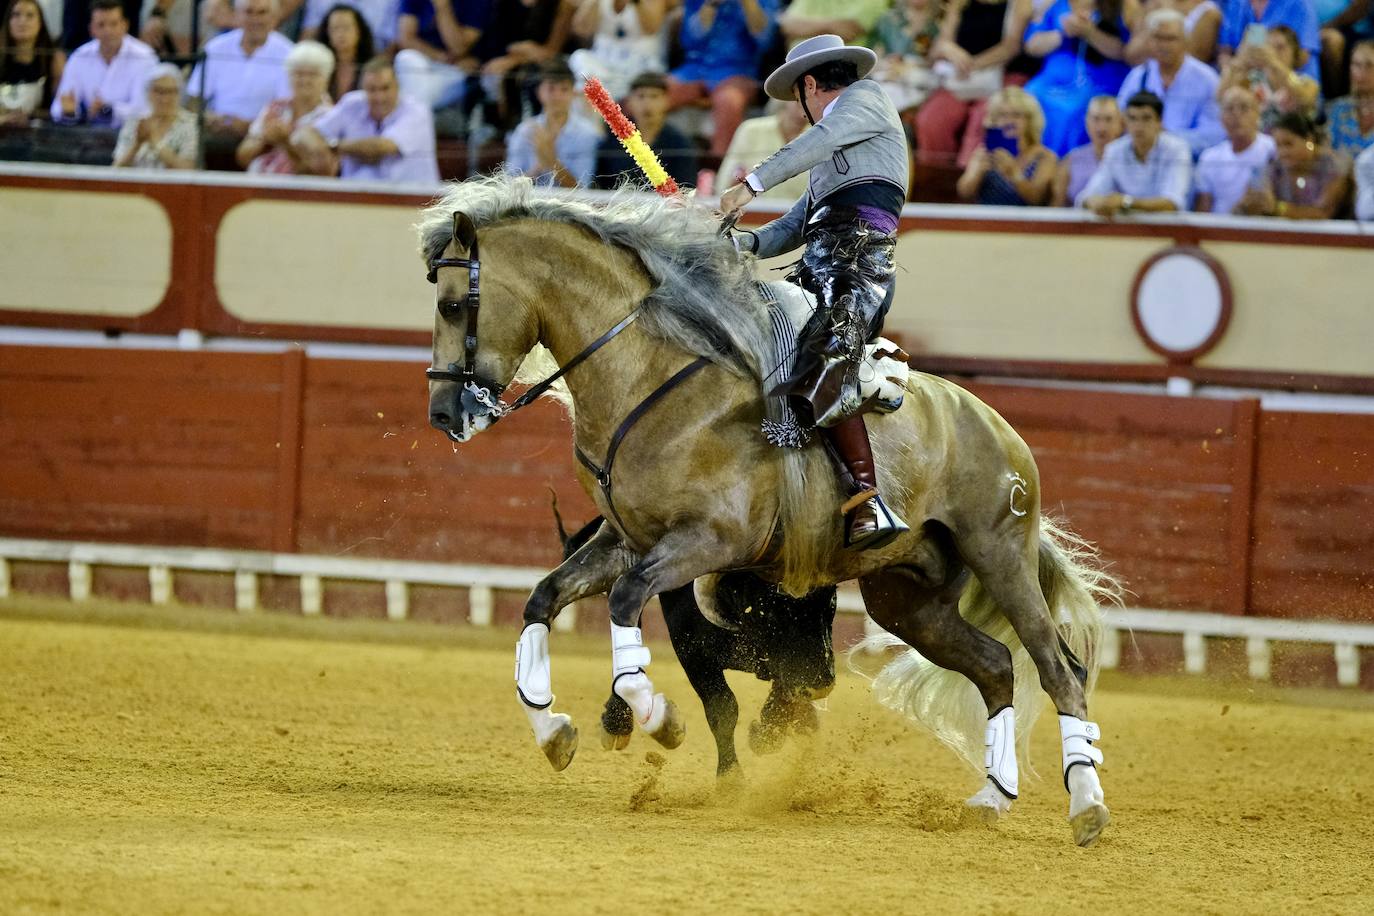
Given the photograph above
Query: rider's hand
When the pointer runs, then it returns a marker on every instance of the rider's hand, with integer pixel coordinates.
(735, 199)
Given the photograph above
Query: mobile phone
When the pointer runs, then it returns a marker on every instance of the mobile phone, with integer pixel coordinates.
(1256, 34)
(995, 138)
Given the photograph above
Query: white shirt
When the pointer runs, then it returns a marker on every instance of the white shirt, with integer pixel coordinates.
(1225, 174)
(1166, 172)
(240, 84)
(1364, 182)
(122, 83)
(410, 126)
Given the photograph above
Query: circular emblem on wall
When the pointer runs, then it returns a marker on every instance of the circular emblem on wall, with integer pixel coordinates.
(1181, 303)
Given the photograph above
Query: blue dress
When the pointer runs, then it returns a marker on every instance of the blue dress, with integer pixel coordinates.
(1073, 73)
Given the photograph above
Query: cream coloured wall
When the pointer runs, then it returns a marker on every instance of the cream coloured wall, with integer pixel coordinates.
(83, 251)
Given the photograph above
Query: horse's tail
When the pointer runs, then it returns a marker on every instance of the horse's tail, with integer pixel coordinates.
(1075, 587)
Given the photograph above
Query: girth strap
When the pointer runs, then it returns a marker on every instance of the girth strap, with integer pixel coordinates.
(603, 474)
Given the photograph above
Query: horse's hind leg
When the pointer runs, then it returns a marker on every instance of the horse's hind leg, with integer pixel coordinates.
(926, 617)
(1008, 568)
(589, 571)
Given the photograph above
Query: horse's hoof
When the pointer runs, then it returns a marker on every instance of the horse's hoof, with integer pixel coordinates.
(764, 739)
(989, 804)
(561, 746)
(613, 742)
(673, 731)
(1089, 823)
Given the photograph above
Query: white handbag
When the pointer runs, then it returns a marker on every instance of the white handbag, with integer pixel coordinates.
(979, 84)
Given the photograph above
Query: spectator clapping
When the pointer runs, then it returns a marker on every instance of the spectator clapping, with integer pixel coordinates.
(104, 81)
(165, 137)
(268, 147)
(556, 147)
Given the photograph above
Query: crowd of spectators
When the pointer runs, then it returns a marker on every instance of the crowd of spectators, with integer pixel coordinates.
(1255, 107)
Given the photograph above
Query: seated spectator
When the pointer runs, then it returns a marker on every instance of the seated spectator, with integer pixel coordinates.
(520, 37)
(30, 63)
(436, 38)
(1083, 43)
(850, 19)
(1187, 85)
(1299, 16)
(375, 133)
(1226, 171)
(1146, 171)
(349, 37)
(722, 43)
(1104, 124)
(164, 138)
(166, 26)
(375, 17)
(268, 150)
(556, 147)
(1350, 119)
(903, 39)
(243, 70)
(1335, 19)
(626, 40)
(759, 138)
(104, 81)
(1304, 180)
(978, 44)
(1270, 70)
(1201, 25)
(1364, 178)
(647, 106)
(1012, 168)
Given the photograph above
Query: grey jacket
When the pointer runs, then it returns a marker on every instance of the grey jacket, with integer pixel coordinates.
(860, 140)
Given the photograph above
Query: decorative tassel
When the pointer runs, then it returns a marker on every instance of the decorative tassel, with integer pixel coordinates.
(629, 137)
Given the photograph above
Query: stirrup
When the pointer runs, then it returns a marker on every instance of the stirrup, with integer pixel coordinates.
(887, 528)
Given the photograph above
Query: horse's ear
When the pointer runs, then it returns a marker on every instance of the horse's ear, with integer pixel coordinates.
(464, 230)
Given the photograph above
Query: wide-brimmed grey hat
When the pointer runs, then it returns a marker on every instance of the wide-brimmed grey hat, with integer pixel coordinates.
(810, 54)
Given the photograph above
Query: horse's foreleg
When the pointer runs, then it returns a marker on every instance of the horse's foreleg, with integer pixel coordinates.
(673, 562)
(589, 571)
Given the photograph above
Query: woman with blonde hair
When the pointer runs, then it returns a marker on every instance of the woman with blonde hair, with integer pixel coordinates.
(1012, 167)
(267, 149)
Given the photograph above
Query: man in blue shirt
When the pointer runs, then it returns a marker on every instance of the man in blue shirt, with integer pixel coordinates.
(1146, 171)
(1298, 15)
(1187, 85)
(722, 43)
(556, 148)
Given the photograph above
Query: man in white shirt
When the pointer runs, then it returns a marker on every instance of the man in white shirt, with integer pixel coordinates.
(1226, 170)
(1187, 86)
(376, 133)
(106, 79)
(1147, 170)
(243, 70)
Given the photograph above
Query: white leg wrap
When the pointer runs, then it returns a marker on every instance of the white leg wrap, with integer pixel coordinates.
(999, 755)
(637, 690)
(628, 652)
(532, 677)
(1077, 737)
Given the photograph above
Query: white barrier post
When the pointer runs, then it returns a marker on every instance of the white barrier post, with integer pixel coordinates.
(160, 584)
(481, 605)
(1109, 653)
(245, 591)
(1257, 648)
(79, 580)
(312, 595)
(566, 620)
(4, 578)
(1347, 664)
(397, 599)
(1194, 653)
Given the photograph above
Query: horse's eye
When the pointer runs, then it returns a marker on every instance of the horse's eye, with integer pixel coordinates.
(449, 308)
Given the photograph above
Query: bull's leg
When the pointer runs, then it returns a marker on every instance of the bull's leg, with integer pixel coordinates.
(926, 617)
(677, 559)
(702, 650)
(589, 571)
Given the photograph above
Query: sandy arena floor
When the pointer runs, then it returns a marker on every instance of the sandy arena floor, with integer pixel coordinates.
(192, 761)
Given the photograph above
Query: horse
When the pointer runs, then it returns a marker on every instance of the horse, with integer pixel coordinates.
(662, 338)
(760, 631)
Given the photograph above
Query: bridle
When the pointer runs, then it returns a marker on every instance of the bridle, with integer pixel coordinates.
(480, 396)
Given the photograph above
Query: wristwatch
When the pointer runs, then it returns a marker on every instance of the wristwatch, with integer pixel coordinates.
(1127, 202)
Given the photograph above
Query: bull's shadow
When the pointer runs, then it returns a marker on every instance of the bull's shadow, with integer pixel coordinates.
(777, 638)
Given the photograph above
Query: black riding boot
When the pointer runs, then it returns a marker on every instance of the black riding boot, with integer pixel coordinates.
(869, 523)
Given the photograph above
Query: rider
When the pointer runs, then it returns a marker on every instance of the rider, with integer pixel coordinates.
(856, 152)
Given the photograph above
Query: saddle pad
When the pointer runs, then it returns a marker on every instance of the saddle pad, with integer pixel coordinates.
(884, 371)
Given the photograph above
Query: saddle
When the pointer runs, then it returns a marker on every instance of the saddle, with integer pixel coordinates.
(882, 376)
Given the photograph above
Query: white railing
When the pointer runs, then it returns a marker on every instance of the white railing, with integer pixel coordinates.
(482, 582)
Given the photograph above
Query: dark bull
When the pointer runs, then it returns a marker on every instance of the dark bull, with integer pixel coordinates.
(779, 639)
